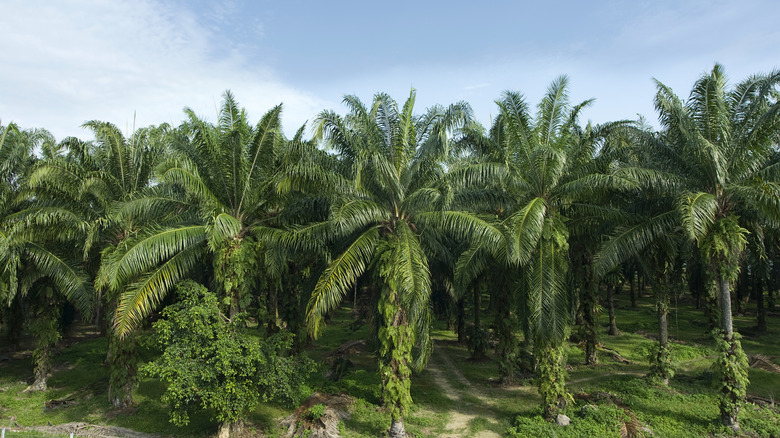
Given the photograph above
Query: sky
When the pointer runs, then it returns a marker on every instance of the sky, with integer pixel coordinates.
(142, 62)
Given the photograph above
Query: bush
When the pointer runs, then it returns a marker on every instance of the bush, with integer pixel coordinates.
(208, 364)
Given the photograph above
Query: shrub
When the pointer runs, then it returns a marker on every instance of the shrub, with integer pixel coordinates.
(208, 364)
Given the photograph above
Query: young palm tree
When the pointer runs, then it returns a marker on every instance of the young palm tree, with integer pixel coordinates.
(383, 222)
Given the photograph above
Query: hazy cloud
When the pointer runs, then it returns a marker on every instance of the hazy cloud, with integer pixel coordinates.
(71, 61)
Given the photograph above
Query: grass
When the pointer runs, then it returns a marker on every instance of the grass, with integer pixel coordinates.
(609, 396)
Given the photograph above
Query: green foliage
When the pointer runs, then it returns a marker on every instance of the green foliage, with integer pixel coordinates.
(723, 246)
(478, 341)
(661, 366)
(763, 422)
(316, 412)
(731, 365)
(603, 420)
(551, 380)
(207, 363)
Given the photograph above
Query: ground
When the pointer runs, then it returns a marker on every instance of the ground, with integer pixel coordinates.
(454, 396)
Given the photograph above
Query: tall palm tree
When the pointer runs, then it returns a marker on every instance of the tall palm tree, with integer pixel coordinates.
(553, 173)
(714, 158)
(383, 223)
(721, 143)
(88, 183)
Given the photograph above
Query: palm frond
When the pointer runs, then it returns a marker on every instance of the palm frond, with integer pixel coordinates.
(143, 296)
(698, 212)
(70, 280)
(338, 278)
(144, 253)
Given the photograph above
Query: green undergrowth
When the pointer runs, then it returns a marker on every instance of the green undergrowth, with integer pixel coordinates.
(609, 396)
(627, 403)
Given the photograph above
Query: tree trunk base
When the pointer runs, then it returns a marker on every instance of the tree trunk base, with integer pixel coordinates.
(226, 430)
(397, 429)
(731, 422)
(40, 384)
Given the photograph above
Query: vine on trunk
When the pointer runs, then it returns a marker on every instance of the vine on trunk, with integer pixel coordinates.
(732, 366)
(551, 381)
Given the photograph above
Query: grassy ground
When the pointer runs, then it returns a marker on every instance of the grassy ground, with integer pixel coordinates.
(453, 396)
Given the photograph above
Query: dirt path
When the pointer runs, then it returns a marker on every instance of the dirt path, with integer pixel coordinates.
(465, 411)
(92, 431)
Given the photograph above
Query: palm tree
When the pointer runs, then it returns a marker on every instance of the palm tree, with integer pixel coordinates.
(713, 157)
(217, 193)
(36, 246)
(383, 223)
(721, 143)
(88, 184)
(553, 172)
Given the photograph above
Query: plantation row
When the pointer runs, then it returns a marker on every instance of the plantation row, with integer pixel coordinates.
(412, 216)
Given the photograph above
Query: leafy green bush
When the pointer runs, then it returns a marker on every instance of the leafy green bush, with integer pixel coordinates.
(207, 363)
(535, 426)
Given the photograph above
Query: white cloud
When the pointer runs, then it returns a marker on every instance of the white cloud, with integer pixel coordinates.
(476, 86)
(68, 62)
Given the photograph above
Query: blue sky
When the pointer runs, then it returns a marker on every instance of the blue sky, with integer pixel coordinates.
(141, 62)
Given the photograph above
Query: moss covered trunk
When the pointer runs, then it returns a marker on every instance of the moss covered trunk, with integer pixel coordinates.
(396, 339)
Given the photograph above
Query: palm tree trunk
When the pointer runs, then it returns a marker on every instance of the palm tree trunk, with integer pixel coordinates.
(121, 359)
(397, 341)
(46, 331)
(662, 366)
(589, 321)
(632, 286)
(733, 362)
(551, 380)
(663, 323)
(461, 321)
(477, 343)
(724, 292)
(613, 330)
(226, 430)
(758, 289)
(397, 429)
(506, 348)
(42, 368)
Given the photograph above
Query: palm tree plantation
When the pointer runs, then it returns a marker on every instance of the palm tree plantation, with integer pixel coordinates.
(391, 270)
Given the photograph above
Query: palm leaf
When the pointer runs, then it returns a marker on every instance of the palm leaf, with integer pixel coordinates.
(338, 278)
